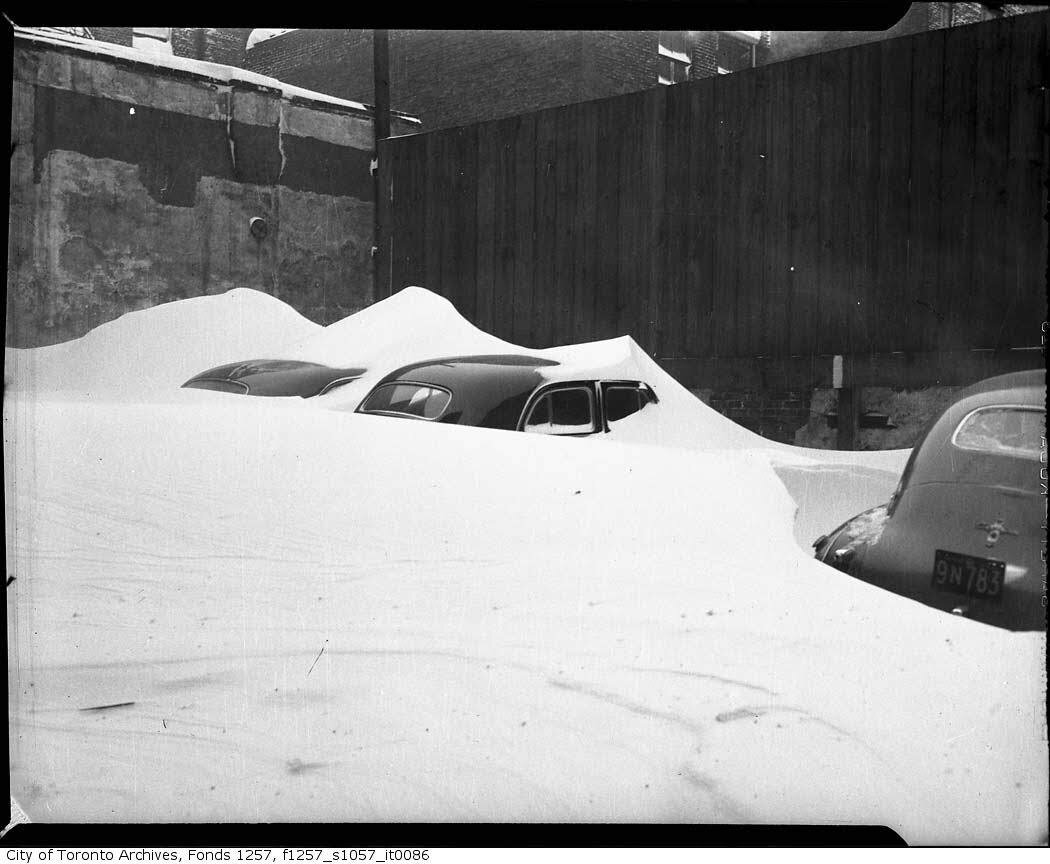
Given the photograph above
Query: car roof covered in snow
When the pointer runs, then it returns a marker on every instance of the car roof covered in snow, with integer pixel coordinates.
(487, 390)
(276, 377)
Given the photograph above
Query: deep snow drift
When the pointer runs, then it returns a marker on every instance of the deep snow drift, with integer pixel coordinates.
(308, 614)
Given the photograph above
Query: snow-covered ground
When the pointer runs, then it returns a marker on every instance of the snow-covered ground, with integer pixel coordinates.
(299, 614)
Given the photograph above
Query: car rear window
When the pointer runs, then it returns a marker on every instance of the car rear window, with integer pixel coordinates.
(565, 411)
(1003, 430)
(411, 400)
(217, 385)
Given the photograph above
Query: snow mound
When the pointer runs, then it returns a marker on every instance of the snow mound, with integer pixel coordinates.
(413, 324)
(416, 324)
(299, 615)
(148, 354)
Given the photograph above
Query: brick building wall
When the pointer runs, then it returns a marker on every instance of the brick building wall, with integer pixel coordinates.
(920, 17)
(450, 78)
(214, 44)
(705, 52)
(619, 62)
(115, 35)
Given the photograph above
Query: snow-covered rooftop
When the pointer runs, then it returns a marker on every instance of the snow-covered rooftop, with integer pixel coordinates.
(202, 69)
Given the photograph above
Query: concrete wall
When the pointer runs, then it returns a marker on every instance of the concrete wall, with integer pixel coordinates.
(133, 185)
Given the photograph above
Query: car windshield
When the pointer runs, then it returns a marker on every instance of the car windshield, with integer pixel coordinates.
(1004, 430)
(411, 400)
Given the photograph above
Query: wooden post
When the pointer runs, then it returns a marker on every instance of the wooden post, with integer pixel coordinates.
(380, 130)
(848, 409)
(381, 75)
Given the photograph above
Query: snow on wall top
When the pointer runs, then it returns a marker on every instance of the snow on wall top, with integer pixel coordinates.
(201, 68)
(262, 34)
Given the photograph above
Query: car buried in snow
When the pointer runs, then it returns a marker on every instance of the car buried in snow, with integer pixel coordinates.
(964, 530)
(507, 391)
(274, 378)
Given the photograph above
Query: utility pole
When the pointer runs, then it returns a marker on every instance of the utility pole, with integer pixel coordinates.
(381, 130)
(381, 73)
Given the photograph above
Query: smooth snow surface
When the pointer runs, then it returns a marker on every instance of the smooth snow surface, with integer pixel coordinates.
(150, 353)
(299, 614)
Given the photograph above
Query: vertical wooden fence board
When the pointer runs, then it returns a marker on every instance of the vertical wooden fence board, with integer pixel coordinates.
(753, 174)
(544, 232)
(452, 229)
(488, 145)
(505, 230)
(607, 218)
(386, 215)
(805, 186)
(673, 302)
(567, 228)
(921, 233)
(835, 310)
(436, 215)
(723, 288)
(953, 324)
(585, 241)
(882, 227)
(524, 227)
(990, 298)
(703, 169)
(1025, 230)
(411, 251)
(780, 157)
(654, 195)
(629, 314)
(465, 234)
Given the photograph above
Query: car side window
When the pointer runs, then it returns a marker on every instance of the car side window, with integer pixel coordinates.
(563, 411)
(1006, 430)
(623, 400)
(407, 399)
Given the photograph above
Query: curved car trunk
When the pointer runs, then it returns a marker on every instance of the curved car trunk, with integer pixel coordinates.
(964, 526)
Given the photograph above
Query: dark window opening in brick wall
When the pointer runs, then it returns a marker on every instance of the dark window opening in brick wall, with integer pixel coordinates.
(674, 62)
(736, 52)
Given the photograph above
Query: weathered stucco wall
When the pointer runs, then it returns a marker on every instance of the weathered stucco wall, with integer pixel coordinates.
(133, 185)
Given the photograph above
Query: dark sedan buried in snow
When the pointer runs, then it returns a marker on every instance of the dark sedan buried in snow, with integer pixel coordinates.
(964, 531)
(274, 378)
(506, 391)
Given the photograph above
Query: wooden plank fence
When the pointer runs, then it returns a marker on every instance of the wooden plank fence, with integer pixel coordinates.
(878, 199)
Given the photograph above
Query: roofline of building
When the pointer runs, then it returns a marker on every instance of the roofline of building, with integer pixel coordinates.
(200, 70)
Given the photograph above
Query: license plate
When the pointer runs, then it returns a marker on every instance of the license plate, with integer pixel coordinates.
(967, 575)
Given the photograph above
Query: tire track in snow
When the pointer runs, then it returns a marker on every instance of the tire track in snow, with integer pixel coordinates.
(707, 677)
(695, 778)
